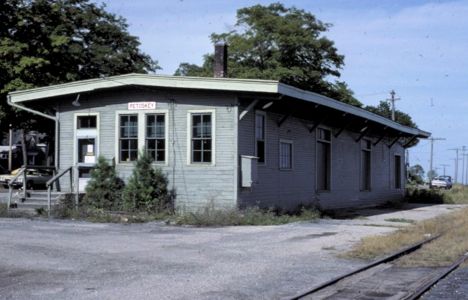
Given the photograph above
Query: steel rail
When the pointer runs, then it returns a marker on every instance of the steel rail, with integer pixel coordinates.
(424, 288)
(386, 259)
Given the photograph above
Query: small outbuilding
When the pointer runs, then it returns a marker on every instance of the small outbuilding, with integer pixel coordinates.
(227, 142)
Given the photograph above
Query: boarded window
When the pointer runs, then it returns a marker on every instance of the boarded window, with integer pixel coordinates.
(397, 172)
(155, 140)
(260, 137)
(128, 138)
(323, 159)
(366, 165)
(201, 138)
(285, 159)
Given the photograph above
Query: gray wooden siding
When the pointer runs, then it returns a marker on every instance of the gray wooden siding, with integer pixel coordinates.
(196, 185)
(288, 189)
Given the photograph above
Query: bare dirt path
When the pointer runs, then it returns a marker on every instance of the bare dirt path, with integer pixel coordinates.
(77, 260)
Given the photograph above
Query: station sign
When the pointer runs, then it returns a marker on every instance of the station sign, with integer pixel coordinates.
(141, 105)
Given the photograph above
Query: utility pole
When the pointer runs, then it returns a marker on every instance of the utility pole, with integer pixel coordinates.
(392, 101)
(432, 139)
(10, 145)
(456, 164)
(463, 165)
(466, 171)
(444, 166)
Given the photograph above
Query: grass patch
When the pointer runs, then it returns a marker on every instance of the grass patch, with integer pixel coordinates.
(4, 213)
(457, 195)
(101, 216)
(210, 216)
(441, 252)
(3, 210)
(400, 220)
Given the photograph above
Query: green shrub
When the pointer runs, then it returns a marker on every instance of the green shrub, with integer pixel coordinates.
(147, 189)
(104, 189)
(424, 196)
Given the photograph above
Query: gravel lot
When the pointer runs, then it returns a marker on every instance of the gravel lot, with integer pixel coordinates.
(42, 259)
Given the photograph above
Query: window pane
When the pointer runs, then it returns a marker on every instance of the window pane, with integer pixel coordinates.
(196, 121)
(150, 144)
(160, 155)
(207, 156)
(86, 147)
(197, 131)
(197, 145)
(324, 134)
(196, 156)
(259, 126)
(206, 145)
(261, 151)
(161, 144)
(86, 122)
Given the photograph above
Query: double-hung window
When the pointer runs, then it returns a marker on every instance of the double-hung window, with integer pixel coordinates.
(286, 155)
(260, 136)
(201, 137)
(142, 131)
(128, 138)
(155, 143)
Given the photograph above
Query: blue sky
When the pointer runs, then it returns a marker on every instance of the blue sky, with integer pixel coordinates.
(417, 48)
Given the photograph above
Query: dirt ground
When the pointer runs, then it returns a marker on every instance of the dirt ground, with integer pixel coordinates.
(43, 259)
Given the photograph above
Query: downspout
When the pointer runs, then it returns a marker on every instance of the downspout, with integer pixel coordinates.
(55, 119)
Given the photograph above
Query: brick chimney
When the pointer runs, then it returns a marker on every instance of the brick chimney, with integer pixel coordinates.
(220, 60)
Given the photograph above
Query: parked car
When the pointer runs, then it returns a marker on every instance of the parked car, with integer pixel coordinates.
(34, 179)
(441, 182)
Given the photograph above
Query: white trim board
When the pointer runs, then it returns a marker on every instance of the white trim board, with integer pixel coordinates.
(206, 83)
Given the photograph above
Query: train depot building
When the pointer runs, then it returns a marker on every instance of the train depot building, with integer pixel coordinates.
(227, 142)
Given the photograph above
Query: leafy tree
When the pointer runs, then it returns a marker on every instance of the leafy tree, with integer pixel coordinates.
(147, 188)
(44, 42)
(104, 189)
(384, 110)
(416, 174)
(279, 43)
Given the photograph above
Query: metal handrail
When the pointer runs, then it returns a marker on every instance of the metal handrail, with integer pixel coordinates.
(10, 185)
(54, 179)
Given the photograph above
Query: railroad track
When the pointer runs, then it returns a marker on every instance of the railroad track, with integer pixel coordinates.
(344, 283)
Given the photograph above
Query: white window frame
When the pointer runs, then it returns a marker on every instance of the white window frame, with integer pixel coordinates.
(141, 114)
(330, 142)
(264, 114)
(282, 141)
(92, 133)
(213, 136)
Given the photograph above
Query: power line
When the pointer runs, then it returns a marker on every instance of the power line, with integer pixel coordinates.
(456, 163)
(432, 139)
(444, 166)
